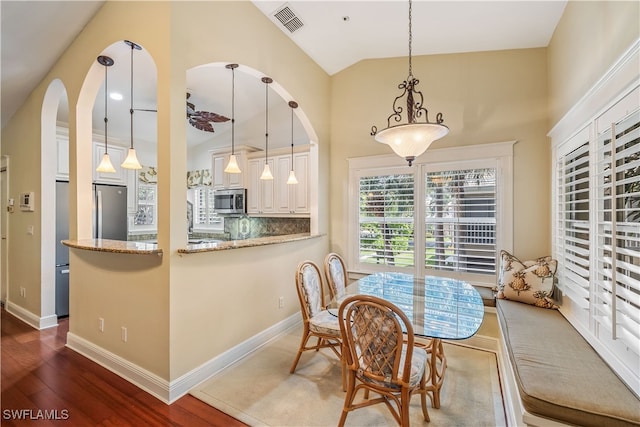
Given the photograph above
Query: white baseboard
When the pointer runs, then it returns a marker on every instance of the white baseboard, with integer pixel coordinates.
(168, 392)
(30, 318)
(148, 381)
(188, 381)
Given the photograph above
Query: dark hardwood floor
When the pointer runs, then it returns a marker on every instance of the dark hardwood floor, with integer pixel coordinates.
(41, 378)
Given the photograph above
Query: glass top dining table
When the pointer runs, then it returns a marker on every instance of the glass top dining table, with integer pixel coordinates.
(438, 307)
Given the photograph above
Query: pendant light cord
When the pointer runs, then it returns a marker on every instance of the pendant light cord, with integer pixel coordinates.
(106, 90)
(233, 109)
(266, 124)
(131, 104)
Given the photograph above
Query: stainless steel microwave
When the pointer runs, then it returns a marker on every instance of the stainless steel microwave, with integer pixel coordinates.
(230, 202)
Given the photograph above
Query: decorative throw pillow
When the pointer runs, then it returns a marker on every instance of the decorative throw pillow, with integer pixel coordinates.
(530, 282)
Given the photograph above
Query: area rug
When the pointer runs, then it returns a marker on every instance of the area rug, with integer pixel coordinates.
(259, 391)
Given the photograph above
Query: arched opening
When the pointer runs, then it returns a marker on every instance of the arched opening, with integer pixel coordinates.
(209, 90)
(123, 83)
(51, 165)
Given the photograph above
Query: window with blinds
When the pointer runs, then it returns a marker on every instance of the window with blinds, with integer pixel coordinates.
(386, 216)
(460, 220)
(616, 299)
(597, 234)
(204, 214)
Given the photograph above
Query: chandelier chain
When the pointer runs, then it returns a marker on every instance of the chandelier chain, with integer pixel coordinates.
(410, 40)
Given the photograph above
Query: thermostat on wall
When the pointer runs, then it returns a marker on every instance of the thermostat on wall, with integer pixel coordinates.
(27, 201)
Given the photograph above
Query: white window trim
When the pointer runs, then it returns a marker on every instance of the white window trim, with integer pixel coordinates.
(501, 157)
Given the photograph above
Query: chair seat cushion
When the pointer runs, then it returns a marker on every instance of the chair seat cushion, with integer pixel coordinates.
(418, 366)
(325, 323)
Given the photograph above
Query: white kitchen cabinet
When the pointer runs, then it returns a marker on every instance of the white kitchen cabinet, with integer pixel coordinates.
(117, 155)
(276, 197)
(62, 164)
(261, 196)
(292, 198)
(221, 179)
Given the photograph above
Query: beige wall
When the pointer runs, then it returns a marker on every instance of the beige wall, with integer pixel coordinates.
(589, 38)
(485, 97)
(180, 310)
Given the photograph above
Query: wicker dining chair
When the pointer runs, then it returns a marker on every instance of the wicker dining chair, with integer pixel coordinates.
(381, 358)
(317, 321)
(336, 272)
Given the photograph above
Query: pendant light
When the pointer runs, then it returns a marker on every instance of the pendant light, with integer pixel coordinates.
(131, 162)
(105, 165)
(292, 176)
(411, 139)
(232, 166)
(266, 173)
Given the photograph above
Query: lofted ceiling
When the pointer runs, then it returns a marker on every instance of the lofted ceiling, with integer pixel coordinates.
(335, 34)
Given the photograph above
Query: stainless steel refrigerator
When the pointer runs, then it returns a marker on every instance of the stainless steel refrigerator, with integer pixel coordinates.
(62, 251)
(110, 209)
(109, 222)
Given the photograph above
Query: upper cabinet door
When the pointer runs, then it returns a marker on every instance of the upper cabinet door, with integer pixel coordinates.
(117, 155)
(221, 179)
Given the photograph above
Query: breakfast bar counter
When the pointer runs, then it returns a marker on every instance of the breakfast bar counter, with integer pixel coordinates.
(147, 248)
(114, 246)
(246, 243)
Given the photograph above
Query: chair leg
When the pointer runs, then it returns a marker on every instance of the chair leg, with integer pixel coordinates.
(423, 398)
(348, 399)
(303, 343)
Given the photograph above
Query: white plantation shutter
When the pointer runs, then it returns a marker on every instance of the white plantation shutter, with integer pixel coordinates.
(596, 233)
(386, 215)
(460, 220)
(205, 214)
(572, 222)
(616, 305)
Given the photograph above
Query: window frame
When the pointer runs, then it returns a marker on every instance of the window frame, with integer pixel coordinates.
(501, 157)
(200, 227)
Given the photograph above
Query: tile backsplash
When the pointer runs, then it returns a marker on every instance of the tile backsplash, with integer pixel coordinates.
(245, 227)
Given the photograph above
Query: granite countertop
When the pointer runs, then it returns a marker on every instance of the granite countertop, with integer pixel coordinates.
(132, 247)
(114, 246)
(248, 243)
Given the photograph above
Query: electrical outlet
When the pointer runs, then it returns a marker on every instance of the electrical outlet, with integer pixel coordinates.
(281, 302)
(23, 292)
(124, 334)
(101, 324)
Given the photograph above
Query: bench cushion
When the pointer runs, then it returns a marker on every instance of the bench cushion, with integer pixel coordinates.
(559, 375)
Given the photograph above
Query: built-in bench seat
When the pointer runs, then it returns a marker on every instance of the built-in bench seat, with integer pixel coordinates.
(554, 377)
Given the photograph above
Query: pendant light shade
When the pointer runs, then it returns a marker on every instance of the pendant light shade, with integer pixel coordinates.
(131, 162)
(410, 139)
(292, 175)
(266, 173)
(105, 165)
(232, 166)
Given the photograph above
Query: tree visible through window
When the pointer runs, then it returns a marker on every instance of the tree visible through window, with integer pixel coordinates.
(460, 220)
(386, 220)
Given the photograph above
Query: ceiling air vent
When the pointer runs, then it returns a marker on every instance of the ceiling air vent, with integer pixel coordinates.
(288, 18)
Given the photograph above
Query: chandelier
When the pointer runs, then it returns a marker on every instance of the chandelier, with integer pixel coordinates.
(410, 139)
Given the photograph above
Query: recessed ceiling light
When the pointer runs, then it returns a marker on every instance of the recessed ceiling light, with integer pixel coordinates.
(115, 96)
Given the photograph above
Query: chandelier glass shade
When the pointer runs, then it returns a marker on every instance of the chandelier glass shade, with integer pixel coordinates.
(410, 134)
(232, 166)
(131, 161)
(266, 173)
(105, 165)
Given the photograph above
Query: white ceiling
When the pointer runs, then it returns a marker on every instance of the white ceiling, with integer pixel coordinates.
(335, 34)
